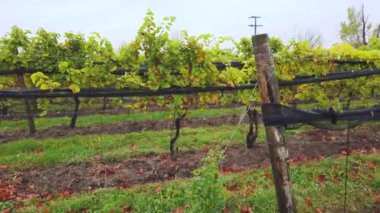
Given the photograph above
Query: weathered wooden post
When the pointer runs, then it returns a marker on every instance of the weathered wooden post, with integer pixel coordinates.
(28, 108)
(278, 152)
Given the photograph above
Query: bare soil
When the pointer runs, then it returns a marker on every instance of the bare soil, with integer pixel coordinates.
(125, 173)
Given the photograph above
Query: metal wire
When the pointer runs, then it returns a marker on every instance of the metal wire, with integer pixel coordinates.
(346, 169)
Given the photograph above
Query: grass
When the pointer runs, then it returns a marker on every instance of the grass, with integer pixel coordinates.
(29, 153)
(317, 185)
(88, 120)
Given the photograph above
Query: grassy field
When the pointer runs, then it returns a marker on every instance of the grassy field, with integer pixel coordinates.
(29, 153)
(318, 187)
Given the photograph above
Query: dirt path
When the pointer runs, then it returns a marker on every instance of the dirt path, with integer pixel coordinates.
(153, 168)
(118, 128)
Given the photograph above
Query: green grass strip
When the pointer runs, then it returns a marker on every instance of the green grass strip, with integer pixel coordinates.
(29, 153)
(317, 185)
(89, 120)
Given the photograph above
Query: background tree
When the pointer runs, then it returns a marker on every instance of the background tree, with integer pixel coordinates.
(376, 32)
(355, 31)
(314, 39)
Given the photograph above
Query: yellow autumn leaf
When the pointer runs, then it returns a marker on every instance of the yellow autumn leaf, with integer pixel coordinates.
(74, 88)
(44, 87)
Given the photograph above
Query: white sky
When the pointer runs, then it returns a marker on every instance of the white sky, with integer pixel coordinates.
(119, 20)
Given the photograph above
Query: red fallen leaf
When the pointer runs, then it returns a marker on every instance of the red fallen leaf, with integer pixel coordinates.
(97, 156)
(178, 210)
(356, 168)
(319, 157)
(246, 209)
(236, 169)
(39, 204)
(79, 210)
(359, 151)
(377, 199)
(336, 180)
(321, 178)
(344, 152)
(223, 170)
(39, 151)
(321, 185)
(47, 196)
(124, 185)
(66, 192)
(370, 176)
(250, 189)
(108, 170)
(133, 147)
(31, 186)
(265, 165)
(8, 210)
(268, 175)
(127, 209)
(371, 165)
(7, 192)
(298, 159)
(226, 210)
(158, 189)
(21, 196)
(321, 181)
(232, 187)
(230, 167)
(353, 176)
(32, 196)
(309, 202)
(205, 149)
(164, 156)
(318, 210)
(3, 166)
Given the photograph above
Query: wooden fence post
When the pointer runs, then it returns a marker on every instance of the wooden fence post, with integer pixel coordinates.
(28, 108)
(278, 152)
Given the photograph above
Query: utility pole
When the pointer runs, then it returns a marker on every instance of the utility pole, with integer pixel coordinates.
(255, 25)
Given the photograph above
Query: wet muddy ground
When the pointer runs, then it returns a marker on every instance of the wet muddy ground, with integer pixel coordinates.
(125, 173)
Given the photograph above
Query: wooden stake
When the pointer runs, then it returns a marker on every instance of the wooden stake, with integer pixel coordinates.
(75, 113)
(278, 152)
(28, 108)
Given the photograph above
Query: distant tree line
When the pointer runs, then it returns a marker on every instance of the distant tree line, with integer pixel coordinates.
(357, 29)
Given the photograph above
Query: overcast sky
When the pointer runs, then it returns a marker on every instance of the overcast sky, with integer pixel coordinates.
(119, 20)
